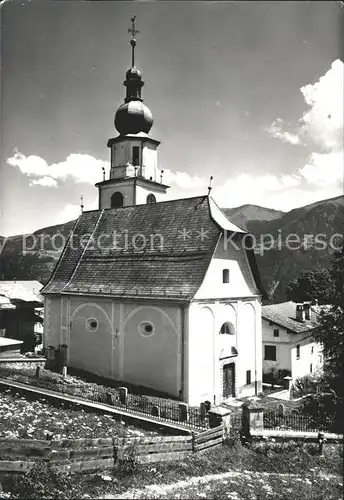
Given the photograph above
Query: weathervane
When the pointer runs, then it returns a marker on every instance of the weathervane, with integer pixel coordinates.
(82, 203)
(133, 31)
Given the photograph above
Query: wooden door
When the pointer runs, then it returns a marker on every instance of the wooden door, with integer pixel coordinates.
(229, 380)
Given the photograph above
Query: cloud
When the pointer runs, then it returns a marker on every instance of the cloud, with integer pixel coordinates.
(72, 212)
(283, 192)
(44, 181)
(324, 168)
(321, 125)
(184, 180)
(320, 128)
(276, 131)
(77, 166)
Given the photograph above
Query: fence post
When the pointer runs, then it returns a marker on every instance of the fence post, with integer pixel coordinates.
(155, 411)
(245, 424)
(123, 395)
(321, 440)
(219, 416)
(38, 369)
(109, 398)
(281, 410)
(193, 442)
(183, 412)
(203, 410)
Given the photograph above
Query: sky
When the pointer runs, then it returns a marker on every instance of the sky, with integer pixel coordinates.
(250, 93)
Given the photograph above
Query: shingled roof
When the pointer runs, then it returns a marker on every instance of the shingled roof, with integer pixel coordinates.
(284, 314)
(140, 251)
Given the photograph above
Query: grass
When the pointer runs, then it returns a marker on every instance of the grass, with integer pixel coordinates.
(24, 418)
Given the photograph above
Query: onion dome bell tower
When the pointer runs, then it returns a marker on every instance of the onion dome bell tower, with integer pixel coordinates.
(134, 169)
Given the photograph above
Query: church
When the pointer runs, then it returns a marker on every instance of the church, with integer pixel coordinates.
(159, 294)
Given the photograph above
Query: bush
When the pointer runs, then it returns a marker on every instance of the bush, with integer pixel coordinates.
(42, 482)
(128, 465)
(309, 384)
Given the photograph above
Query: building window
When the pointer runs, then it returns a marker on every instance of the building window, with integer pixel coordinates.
(270, 353)
(298, 351)
(136, 155)
(248, 377)
(312, 349)
(276, 332)
(311, 368)
(225, 276)
(117, 200)
(151, 199)
(227, 328)
(320, 358)
(146, 328)
(92, 324)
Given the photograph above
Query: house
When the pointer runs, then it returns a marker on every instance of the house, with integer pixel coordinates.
(153, 292)
(20, 303)
(288, 345)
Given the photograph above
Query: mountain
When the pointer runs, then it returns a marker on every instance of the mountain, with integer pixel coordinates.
(303, 238)
(313, 226)
(241, 215)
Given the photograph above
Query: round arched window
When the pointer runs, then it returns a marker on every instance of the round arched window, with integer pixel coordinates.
(151, 199)
(117, 200)
(92, 324)
(227, 328)
(146, 328)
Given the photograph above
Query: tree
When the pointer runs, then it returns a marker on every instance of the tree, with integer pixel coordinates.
(328, 403)
(312, 285)
(331, 330)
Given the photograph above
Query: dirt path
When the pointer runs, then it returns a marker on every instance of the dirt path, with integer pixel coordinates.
(159, 490)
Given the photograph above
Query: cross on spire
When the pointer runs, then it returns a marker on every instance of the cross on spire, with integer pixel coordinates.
(133, 31)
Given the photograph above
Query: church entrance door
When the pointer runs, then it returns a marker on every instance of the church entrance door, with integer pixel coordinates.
(229, 380)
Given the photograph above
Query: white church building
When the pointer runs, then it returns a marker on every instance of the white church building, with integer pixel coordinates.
(159, 294)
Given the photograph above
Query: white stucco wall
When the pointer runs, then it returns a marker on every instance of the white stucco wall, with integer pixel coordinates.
(286, 351)
(117, 349)
(209, 350)
(241, 282)
(124, 187)
(150, 161)
(282, 344)
(302, 366)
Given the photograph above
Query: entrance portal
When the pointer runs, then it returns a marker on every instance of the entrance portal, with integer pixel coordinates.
(229, 380)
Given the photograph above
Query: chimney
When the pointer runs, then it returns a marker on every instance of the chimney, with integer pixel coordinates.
(300, 313)
(307, 310)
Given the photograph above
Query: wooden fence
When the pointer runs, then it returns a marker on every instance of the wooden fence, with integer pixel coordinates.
(18, 455)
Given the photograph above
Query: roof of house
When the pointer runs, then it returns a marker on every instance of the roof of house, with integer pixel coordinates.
(4, 342)
(143, 251)
(284, 314)
(5, 303)
(24, 291)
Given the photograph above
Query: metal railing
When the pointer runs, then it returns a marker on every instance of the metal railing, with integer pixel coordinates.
(158, 408)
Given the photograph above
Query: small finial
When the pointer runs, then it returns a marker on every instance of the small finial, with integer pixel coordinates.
(161, 174)
(136, 171)
(133, 31)
(103, 169)
(209, 187)
(82, 203)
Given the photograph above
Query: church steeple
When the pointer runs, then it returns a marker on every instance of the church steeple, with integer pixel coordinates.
(133, 116)
(134, 176)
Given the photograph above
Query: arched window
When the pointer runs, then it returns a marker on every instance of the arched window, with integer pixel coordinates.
(227, 328)
(117, 200)
(151, 199)
(225, 276)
